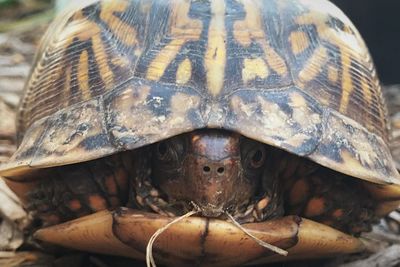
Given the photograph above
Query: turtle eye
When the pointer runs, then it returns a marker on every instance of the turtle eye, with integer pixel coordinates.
(162, 150)
(170, 150)
(257, 157)
(253, 154)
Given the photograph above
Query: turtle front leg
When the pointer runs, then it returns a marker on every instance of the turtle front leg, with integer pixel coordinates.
(269, 202)
(72, 191)
(142, 193)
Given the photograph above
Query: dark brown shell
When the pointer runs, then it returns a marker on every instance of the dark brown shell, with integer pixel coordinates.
(117, 75)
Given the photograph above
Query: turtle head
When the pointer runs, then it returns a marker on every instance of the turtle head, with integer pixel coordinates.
(217, 171)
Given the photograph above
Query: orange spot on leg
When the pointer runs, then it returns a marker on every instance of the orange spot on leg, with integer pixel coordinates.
(315, 207)
(97, 203)
(110, 185)
(74, 205)
(338, 214)
(122, 178)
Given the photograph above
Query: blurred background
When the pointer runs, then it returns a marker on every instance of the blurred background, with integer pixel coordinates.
(22, 24)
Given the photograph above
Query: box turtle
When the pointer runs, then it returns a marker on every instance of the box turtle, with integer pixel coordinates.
(265, 118)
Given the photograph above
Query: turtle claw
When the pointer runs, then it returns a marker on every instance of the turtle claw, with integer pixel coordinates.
(247, 216)
(157, 205)
(392, 221)
(149, 198)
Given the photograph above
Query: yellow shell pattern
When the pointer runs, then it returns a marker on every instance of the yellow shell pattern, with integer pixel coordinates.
(117, 75)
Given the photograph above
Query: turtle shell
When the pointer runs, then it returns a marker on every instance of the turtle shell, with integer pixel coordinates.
(117, 75)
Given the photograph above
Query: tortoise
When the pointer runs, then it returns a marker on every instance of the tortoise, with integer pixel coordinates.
(268, 113)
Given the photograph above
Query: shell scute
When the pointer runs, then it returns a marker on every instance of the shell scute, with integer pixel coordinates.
(69, 133)
(330, 61)
(259, 60)
(348, 147)
(144, 112)
(82, 60)
(278, 118)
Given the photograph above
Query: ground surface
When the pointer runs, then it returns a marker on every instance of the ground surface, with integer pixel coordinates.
(17, 46)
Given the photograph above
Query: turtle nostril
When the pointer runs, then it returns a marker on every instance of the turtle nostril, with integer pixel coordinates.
(221, 170)
(206, 169)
